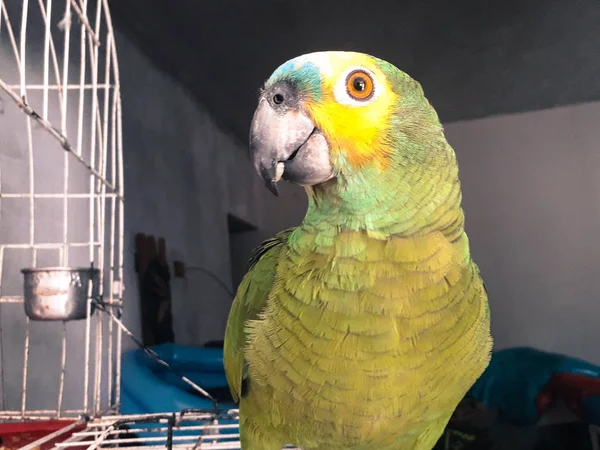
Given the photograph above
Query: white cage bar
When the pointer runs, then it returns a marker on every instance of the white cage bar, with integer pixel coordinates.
(193, 430)
(61, 133)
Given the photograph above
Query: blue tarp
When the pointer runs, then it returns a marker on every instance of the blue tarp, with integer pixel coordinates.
(148, 388)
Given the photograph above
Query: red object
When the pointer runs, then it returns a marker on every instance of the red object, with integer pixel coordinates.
(18, 434)
(572, 388)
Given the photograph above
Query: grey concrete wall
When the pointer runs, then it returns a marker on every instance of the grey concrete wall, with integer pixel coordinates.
(531, 195)
(183, 176)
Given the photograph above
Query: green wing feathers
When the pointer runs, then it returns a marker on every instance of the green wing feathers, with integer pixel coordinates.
(250, 300)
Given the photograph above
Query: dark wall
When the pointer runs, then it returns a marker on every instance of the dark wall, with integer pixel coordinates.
(474, 58)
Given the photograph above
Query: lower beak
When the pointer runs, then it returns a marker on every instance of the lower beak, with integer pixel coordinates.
(286, 144)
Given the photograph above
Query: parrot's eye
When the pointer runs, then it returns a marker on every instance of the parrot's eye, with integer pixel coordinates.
(359, 85)
(278, 99)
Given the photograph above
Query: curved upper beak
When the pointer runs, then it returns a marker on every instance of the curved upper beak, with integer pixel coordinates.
(284, 143)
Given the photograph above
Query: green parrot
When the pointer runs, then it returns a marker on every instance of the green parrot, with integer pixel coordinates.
(363, 327)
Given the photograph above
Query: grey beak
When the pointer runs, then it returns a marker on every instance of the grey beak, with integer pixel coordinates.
(275, 136)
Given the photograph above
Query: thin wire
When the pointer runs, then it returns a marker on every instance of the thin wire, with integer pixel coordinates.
(17, 414)
(23, 46)
(54, 60)
(66, 49)
(101, 208)
(84, 21)
(51, 195)
(121, 225)
(98, 371)
(46, 56)
(113, 259)
(11, 299)
(11, 36)
(214, 277)
(60, 87)
(102, 142)
(153, 355)
(66, 171)
(86, 374)
(82, 67)
(113, 54)
(46, 245)
(96, 227)
(63, 369)
(111, 256)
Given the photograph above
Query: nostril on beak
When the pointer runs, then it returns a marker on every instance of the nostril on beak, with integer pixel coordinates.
(278, 99)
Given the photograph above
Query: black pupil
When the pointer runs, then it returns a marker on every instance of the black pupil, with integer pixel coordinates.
(278, 99)
(359, 84)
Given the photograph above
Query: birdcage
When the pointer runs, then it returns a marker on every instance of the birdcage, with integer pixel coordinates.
(61, 209)
(61, 239)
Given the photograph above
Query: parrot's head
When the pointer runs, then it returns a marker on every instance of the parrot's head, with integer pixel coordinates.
(347, 125)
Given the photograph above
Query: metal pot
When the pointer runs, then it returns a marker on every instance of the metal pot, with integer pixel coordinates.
(59, 293)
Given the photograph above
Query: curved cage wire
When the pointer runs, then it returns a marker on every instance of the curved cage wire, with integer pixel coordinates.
(61, 202)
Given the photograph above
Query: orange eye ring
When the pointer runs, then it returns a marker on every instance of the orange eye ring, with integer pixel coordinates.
(359, 85)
